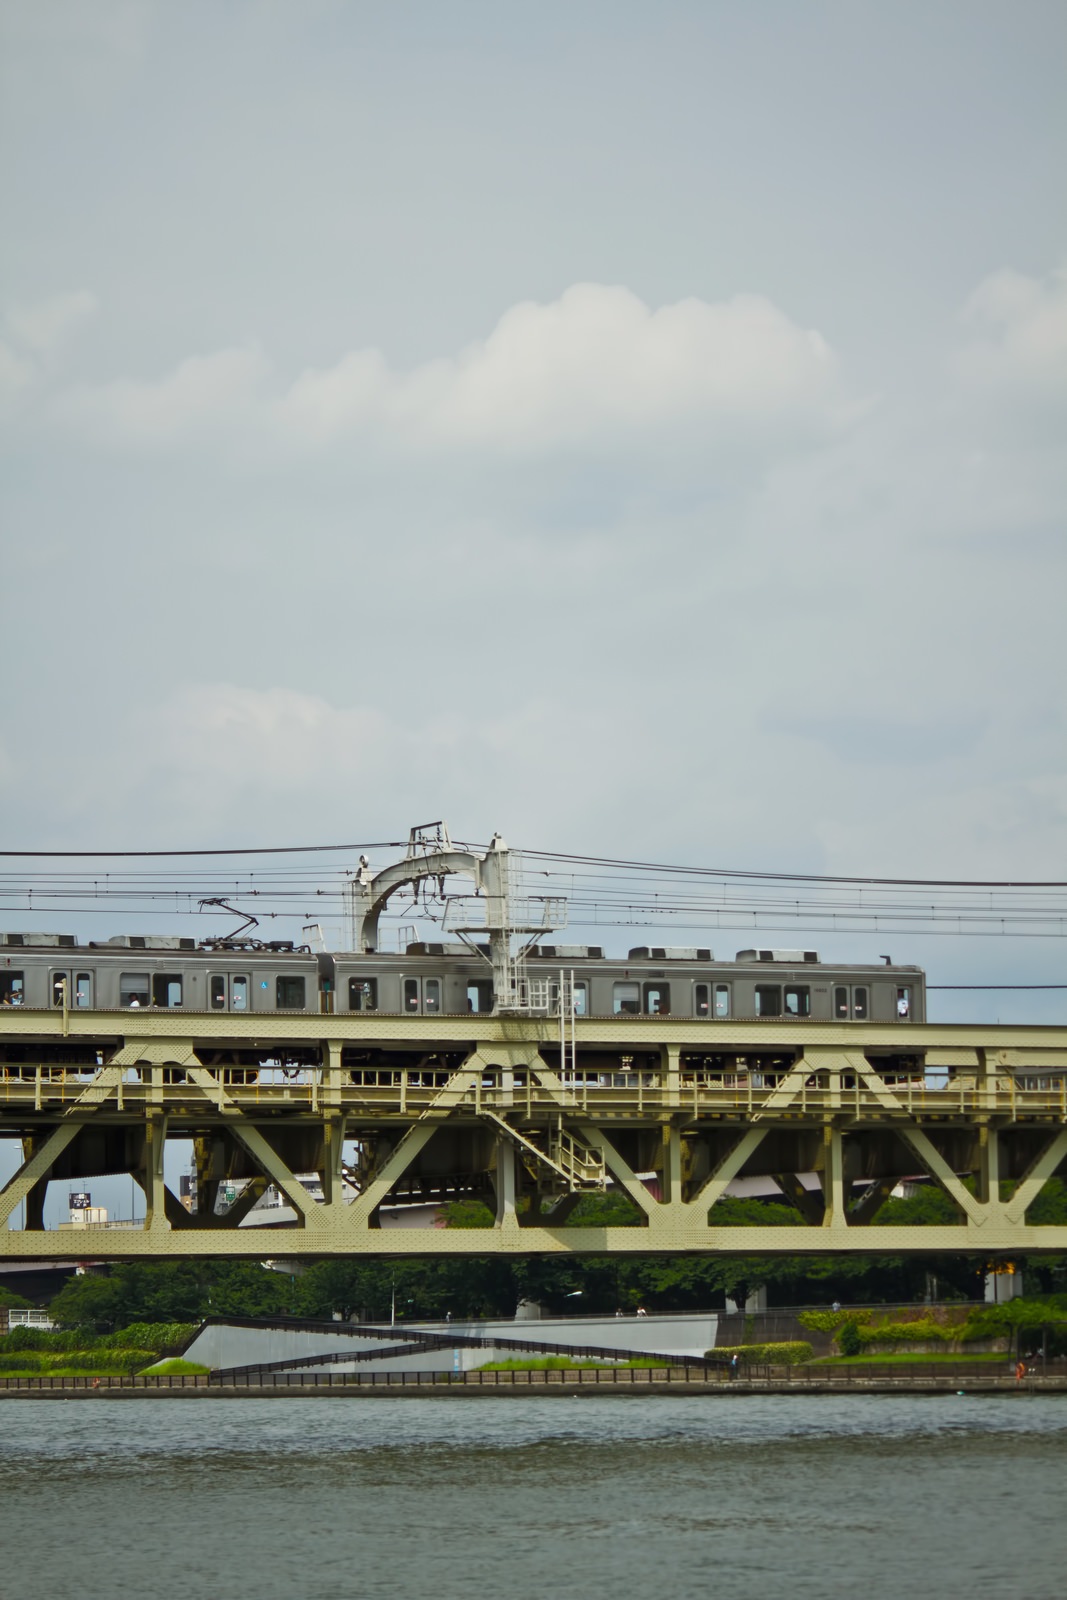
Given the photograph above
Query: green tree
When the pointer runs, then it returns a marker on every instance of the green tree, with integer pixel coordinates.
(88, 1302)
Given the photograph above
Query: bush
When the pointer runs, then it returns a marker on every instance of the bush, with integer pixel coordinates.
(45, 1339)
(787, 1353)
(849, 1338)
(149, 1336)
(923, 1331)
(830, 1321)
(41, 1363)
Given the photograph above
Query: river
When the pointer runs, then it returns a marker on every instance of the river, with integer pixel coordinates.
(602, 1498)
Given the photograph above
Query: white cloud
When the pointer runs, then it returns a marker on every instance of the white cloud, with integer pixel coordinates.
(596, 363)
(594, 369)
(35, 334)
(278, 740)
(1018, 332)
(43, 325)
(16, 376)
(203, 395)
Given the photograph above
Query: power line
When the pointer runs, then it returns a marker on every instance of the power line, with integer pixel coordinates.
(244, 850)
(798, 877)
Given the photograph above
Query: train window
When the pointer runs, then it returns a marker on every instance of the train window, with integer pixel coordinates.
(166, 989)
(431, 994)
(859, 1004)
(581, 998)
(798, 1000)
(657, 998)
(701, 1001)
(480, 994)
(722, 999)
(239, 993)
(841, 1002)
(411, 994)
(903, 1004)
(83, 989)
(290, 993)
(627, 999)
(133, 988)
(768, 999)
(60, 988)
(362, 994)
(12, 989)
(217, 992)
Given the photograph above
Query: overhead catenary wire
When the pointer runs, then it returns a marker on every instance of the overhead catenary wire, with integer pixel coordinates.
(601, 892)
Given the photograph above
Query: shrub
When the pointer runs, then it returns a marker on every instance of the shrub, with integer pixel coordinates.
(786, 1353)
(850, 1339)
(830, 1321)
(923, 1331)
(149, 1336)
(45, 1339)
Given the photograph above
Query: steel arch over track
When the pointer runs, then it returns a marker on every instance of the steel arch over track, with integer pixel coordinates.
(668, 1110)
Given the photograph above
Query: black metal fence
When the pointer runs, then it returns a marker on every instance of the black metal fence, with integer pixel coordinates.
(943, 1376)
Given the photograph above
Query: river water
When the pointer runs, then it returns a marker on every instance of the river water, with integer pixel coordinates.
(807, 1498)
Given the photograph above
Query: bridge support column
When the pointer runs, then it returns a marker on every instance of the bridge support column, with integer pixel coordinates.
(672, 1075)
(504, 1182)
(833, 1179)
(155, 1191)
(988, 1164)
(671, 1172)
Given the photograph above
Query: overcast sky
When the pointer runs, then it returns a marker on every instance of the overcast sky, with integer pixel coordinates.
(637, 428)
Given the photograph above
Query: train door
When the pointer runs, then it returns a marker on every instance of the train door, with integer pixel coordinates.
(425, 995)
(77, 993)
(227, 991)
(852, 1002)
(711, 999)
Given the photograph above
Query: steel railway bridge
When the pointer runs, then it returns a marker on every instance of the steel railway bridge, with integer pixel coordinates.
(388, 1110)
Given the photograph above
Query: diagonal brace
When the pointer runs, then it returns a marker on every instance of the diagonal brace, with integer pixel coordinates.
(1040, 1171)
(620, 1169)
(716, 1184)
(269, 1161)
(939, 1168)
(358, 1214)
(32, 1171)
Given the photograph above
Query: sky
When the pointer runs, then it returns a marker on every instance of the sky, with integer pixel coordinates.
(634, 428)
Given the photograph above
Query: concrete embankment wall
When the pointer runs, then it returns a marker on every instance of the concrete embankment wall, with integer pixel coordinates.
(221, 1344)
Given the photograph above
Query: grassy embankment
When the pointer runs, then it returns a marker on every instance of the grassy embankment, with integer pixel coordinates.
(565, 1364)
(78, 1353)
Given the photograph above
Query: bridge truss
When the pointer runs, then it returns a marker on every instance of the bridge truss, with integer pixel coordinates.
(394, 1110)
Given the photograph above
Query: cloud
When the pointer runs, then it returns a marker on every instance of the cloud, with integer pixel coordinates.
(596, 369)
(596, 363)
(1018, 332)
(35, 333)
(43, 325)
(16, 376)
(201, 397)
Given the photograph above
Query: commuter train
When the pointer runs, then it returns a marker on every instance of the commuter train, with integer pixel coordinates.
(130, 971)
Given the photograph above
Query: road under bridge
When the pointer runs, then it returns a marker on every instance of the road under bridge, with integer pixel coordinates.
(668, 1111)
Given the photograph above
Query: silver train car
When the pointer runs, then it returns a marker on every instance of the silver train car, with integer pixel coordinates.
(130, 971)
